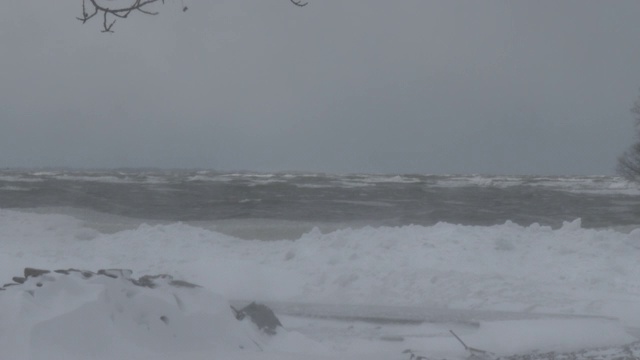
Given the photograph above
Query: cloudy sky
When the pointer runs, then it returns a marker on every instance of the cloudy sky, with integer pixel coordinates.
(412, 86)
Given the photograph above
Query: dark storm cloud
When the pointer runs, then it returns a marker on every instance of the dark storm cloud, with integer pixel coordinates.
(346, 86)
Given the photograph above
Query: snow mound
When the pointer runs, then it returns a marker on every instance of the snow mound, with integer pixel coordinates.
(74, 314)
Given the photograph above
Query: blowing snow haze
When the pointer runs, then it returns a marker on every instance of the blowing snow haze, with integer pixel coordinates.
(517, 87)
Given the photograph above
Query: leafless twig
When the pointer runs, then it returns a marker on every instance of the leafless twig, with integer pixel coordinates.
(122, 11)
(629, 162)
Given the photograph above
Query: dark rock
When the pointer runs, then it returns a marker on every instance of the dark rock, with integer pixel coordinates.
(149, 280)
(105, 273)
(84, 273)
(116, 273)
(31, 272)
(261, 315)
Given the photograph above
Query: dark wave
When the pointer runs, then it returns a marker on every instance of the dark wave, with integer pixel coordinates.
(390, 200)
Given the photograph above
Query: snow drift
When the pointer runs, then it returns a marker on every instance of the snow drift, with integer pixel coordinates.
(73, 314)
(529, 269)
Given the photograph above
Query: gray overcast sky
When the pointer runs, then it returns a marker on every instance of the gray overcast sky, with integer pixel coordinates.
(412, 86)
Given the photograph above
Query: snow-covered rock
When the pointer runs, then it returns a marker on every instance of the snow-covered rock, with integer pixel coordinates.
(78, 314)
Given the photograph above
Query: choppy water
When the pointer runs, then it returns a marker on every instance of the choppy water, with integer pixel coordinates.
(311, 199)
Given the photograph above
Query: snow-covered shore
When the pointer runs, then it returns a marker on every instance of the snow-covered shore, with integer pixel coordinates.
(532, 269)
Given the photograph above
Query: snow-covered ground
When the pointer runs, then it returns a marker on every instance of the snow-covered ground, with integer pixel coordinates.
(366, 293)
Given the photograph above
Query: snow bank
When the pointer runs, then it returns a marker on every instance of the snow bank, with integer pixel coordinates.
(504, 267)
(108, 315)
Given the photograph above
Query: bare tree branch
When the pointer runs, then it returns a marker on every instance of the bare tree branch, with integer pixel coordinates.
(635, 110)
(629, 162)
(107, 28)
(119, 11)
(85, 15)
(123, 11)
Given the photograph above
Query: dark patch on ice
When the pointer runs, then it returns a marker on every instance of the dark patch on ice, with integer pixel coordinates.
(150, 281)
(84, 273)
(392, 338)
(183, 284)
(116, 273)
(164, 319)
(261, 315)
(31, 272)
(178, 302)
